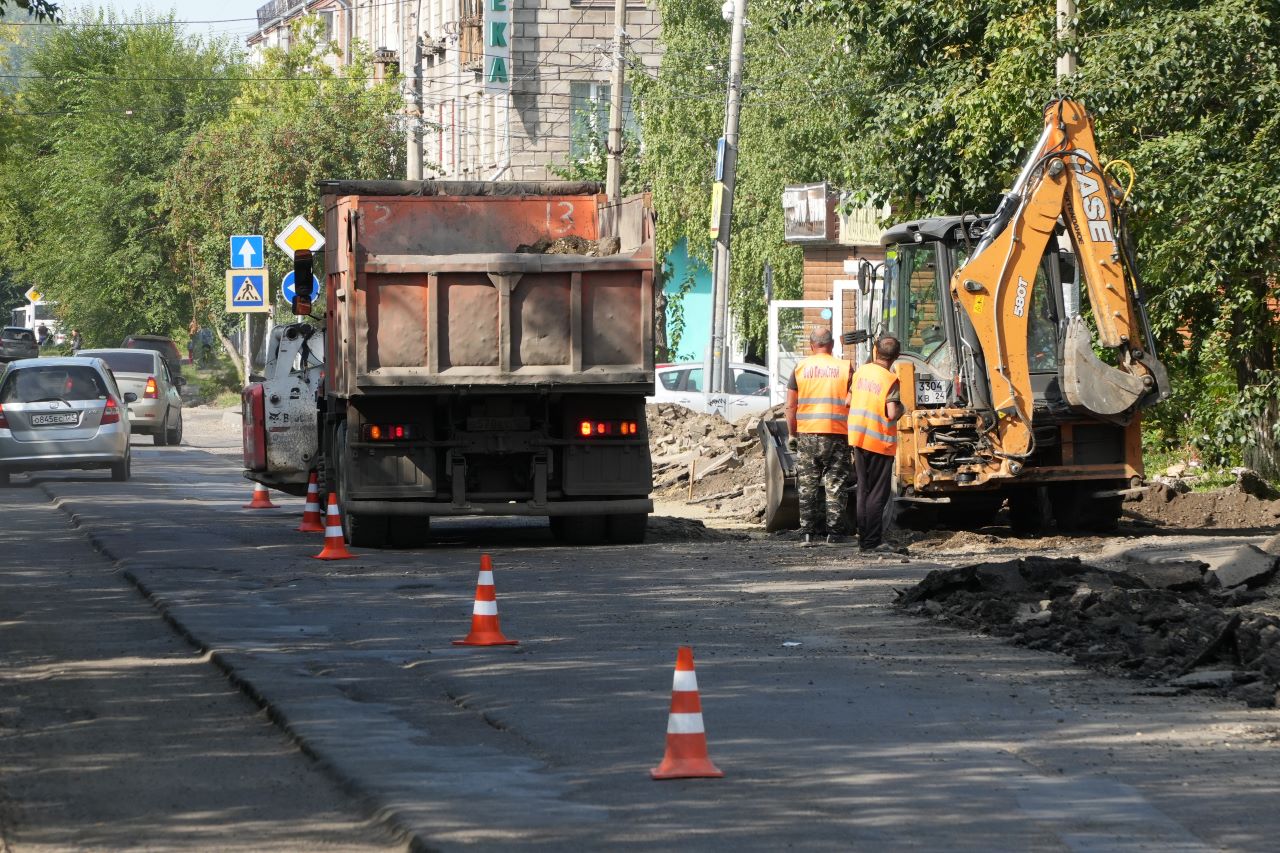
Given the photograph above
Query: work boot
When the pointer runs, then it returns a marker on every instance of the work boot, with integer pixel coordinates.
(808, 541)
(836, 539)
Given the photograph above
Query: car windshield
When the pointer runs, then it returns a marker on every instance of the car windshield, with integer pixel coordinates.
(52, 382)
(19, 335)
(126, 362)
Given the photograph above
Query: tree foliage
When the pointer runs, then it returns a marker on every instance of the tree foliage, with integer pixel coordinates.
(103, 112)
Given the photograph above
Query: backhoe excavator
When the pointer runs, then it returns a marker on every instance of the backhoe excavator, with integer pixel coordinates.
(1020, 384)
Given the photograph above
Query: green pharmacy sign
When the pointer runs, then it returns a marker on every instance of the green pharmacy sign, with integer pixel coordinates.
(497, 45)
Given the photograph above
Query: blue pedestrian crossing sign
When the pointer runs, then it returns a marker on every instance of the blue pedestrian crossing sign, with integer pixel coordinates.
(246, 252)
(287, 288)
(247, 291)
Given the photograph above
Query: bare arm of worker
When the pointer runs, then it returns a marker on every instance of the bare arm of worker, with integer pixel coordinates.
(793, 397)
(893, 409)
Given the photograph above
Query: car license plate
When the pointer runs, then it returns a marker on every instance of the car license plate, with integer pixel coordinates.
(58, 418)
(513, 424)
(930, 392)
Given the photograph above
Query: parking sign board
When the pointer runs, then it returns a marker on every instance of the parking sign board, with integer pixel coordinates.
(247, 291)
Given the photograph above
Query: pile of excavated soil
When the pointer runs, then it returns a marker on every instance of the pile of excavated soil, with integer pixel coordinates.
(725, 460)
(1235, 507)
(1179, 625)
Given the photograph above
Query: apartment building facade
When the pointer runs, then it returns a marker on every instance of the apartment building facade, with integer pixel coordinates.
(509, 89)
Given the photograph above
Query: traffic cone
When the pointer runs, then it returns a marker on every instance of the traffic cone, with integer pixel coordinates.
(686, 756)
(311, 522)
(335, 547)
(261, 499)
(484, 613)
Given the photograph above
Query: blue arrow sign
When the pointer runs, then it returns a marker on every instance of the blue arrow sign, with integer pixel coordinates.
(246, 252)
(287, 288)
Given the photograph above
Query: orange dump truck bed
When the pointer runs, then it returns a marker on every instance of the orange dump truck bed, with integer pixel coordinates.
(426, 289)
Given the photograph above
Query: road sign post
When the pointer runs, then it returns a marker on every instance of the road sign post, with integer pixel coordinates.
(287, 288)
(247, 292)
(247, 252)
(299, 234)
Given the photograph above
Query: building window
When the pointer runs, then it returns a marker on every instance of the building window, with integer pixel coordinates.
(589, 118)
(324, 33)
(470, 34)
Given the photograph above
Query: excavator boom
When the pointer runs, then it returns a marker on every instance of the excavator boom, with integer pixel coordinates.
(1062, 181)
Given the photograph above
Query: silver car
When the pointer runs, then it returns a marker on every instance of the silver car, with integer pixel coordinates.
(158, 409)
(62, 413)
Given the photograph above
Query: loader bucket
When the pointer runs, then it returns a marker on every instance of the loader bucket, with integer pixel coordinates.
(782, 502)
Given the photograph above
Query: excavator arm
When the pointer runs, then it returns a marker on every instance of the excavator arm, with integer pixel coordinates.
(1061, 181)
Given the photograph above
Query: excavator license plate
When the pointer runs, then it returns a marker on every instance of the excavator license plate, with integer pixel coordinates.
(930, 391)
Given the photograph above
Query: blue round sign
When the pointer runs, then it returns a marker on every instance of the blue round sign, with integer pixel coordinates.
(287, 289)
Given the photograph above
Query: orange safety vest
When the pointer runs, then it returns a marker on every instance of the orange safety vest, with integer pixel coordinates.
(822, 404)
(869, 426)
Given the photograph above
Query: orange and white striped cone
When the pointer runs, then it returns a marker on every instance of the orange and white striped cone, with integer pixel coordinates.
(261, 499)
(686, 756)
(484, 613)
(311, 522)
(335, 547)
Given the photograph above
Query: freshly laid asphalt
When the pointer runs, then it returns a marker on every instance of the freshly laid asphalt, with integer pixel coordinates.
(840, 723)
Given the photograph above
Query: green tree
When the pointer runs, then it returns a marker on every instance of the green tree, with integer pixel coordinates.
(251, 171)
(105, 108)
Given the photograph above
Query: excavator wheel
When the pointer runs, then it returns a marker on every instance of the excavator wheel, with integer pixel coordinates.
(1075, 508)
(1029, 509)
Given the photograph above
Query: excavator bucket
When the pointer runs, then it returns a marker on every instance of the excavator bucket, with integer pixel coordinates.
(782, 501)
(1090, 383)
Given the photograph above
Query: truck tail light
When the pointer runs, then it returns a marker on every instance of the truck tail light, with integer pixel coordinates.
(111, 415)
(596, 429)
(150, 392)
(4, 422)
(388, 432)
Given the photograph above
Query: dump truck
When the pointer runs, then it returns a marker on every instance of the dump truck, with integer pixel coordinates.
(487, 350)
(1027, 354)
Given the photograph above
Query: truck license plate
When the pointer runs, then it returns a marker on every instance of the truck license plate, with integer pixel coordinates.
(59, 418)
(930, 392)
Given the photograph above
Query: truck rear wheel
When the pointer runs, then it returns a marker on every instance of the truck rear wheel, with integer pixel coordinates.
(409, 531)
(579, 529)
(627, 529)
(362, 529)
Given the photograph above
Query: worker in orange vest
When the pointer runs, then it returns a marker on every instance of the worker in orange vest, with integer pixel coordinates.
(817, 417)
(875, 406)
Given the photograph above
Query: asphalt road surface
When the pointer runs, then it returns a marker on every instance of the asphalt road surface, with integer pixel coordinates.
(839, 722)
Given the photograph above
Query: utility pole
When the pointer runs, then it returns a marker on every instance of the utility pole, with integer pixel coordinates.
(613, 173)
(413, 127)
(720, 268)
(1066, 30)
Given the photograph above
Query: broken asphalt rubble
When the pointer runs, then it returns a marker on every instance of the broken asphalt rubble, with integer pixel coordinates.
(1176, 624)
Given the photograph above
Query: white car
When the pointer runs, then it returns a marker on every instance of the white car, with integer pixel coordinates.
(682, 384)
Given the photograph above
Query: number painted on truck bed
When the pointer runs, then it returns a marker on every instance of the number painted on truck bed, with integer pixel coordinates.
(566, 217)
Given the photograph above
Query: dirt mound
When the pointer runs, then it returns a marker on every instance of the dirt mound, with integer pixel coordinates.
(724, 460)
(570, 245)
(1236, 507)
(1172, 623)
(669, 529)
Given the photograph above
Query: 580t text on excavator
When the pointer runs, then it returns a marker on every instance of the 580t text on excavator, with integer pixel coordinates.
(1025, 363)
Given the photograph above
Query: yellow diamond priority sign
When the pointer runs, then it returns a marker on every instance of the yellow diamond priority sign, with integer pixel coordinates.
(299, 234)
(34, 295)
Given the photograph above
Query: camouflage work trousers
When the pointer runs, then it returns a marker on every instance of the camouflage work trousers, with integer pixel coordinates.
(823, 468)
